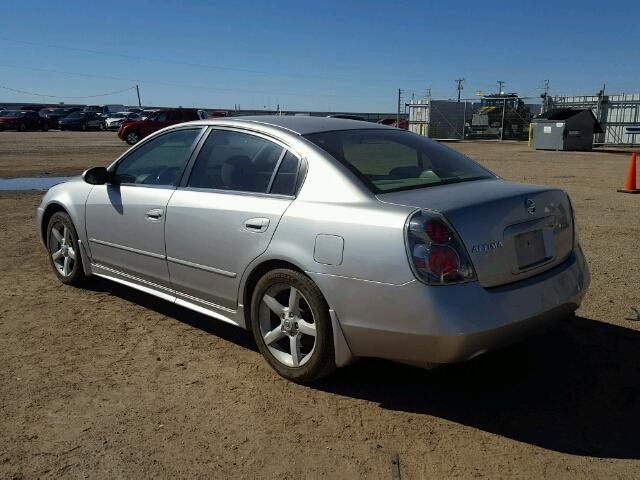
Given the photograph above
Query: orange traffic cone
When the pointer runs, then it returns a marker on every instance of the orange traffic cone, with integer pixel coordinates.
(630, 184)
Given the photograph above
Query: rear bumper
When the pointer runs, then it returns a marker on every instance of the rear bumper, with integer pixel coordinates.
(418, 324)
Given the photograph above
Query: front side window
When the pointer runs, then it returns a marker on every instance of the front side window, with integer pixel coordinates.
(241, 162)
(390, 160)
(159, 117)
(159, 161)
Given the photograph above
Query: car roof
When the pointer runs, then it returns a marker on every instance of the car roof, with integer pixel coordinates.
(302, 125)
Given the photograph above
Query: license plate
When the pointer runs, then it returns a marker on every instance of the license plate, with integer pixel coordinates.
(530, 249)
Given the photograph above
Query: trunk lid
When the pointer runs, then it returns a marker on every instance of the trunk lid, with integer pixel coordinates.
(511, 231)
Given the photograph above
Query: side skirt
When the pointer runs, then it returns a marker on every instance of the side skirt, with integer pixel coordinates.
(215, 311)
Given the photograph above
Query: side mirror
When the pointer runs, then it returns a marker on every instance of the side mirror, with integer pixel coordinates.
(96, 176)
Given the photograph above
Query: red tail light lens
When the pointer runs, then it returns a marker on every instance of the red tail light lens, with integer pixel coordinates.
(443, 261)
(437, 255)
(437, 231)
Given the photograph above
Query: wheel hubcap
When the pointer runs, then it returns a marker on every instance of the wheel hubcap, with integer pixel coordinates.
(61, 249)
(288, 331)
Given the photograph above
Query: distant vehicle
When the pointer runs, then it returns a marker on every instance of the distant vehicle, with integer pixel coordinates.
(134, 109)
(105, 109)
(391, 121)
(147, 112)
(56, 114)
(23, 120)
(114, 120)
(82, 121)
(34, 108)
(346, 116)
(218, 113)
(487, 121)
(133, 132)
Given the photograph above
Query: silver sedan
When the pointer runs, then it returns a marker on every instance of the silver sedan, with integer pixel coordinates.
(329, 239)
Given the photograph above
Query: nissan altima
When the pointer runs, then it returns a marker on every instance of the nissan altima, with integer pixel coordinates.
(329, 239)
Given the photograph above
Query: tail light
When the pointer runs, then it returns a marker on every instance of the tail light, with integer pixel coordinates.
(435, 251)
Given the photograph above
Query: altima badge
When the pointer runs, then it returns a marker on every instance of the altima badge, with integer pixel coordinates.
(485, 247)
(530, 205)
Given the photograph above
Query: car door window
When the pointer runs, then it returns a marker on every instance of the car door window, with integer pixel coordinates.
(174, 116)
(159, 161)
(160, 117)
(236, 161)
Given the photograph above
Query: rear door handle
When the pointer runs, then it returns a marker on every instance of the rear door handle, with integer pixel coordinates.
(154, 214)
(256, 225)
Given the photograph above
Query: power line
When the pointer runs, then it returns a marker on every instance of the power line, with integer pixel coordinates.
(190, 64)
(182, 85)
(63, 96)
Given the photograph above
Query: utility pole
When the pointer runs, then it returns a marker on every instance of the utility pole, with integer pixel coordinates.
(545, 97)
(138, 92)
(398, 113)
(459, 83)
(500, 84)
(504, 107)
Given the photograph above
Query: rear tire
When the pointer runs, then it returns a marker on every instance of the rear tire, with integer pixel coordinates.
(22, 127)
(64, 250)
(292, 327)
(45, 127)
(83, 127)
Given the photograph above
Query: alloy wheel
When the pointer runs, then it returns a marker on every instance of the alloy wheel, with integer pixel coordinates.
(287, 325)
(61, 249)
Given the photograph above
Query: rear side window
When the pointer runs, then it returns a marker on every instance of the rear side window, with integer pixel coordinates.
(284, 183)
(242, 162)
(391, 160)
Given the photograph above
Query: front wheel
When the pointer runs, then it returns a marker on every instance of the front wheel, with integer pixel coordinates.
(102, 127)
(83, 127)
(64, 250)
(132, 138)
(45, 128)
(292, 327)
(22, 127)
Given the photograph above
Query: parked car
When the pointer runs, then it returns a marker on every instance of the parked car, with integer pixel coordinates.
(114, 120)
(347, 116)
(56, 114)
(23, 121)
(104, 109)
(392, 122)
(82, 121)
(418, 255)
(146, 113)
(133, 132)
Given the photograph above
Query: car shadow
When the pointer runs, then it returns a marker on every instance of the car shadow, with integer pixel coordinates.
(202, 322)
(573, 389)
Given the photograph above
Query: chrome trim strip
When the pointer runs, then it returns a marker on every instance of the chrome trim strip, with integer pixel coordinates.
(218, 271)
(130, 281)
(205, 302)
(128, 249)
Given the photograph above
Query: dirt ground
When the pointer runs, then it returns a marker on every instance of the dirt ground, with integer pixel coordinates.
(107, 382)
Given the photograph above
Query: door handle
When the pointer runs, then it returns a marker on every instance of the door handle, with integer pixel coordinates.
(154, 214)
(256, 225)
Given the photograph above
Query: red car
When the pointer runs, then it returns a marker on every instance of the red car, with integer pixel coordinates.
(133, 132)
(404, 124)
(23, 121)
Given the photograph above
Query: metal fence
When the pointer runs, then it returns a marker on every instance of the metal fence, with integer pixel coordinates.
(619, 116)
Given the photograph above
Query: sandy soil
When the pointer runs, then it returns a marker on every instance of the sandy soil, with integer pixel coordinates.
(108, 382)
(55, 152)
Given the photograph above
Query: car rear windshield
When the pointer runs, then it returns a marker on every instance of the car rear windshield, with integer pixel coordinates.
(391, 160)
(11, 113)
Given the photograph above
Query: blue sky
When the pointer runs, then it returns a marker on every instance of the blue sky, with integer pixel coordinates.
(324, 55)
